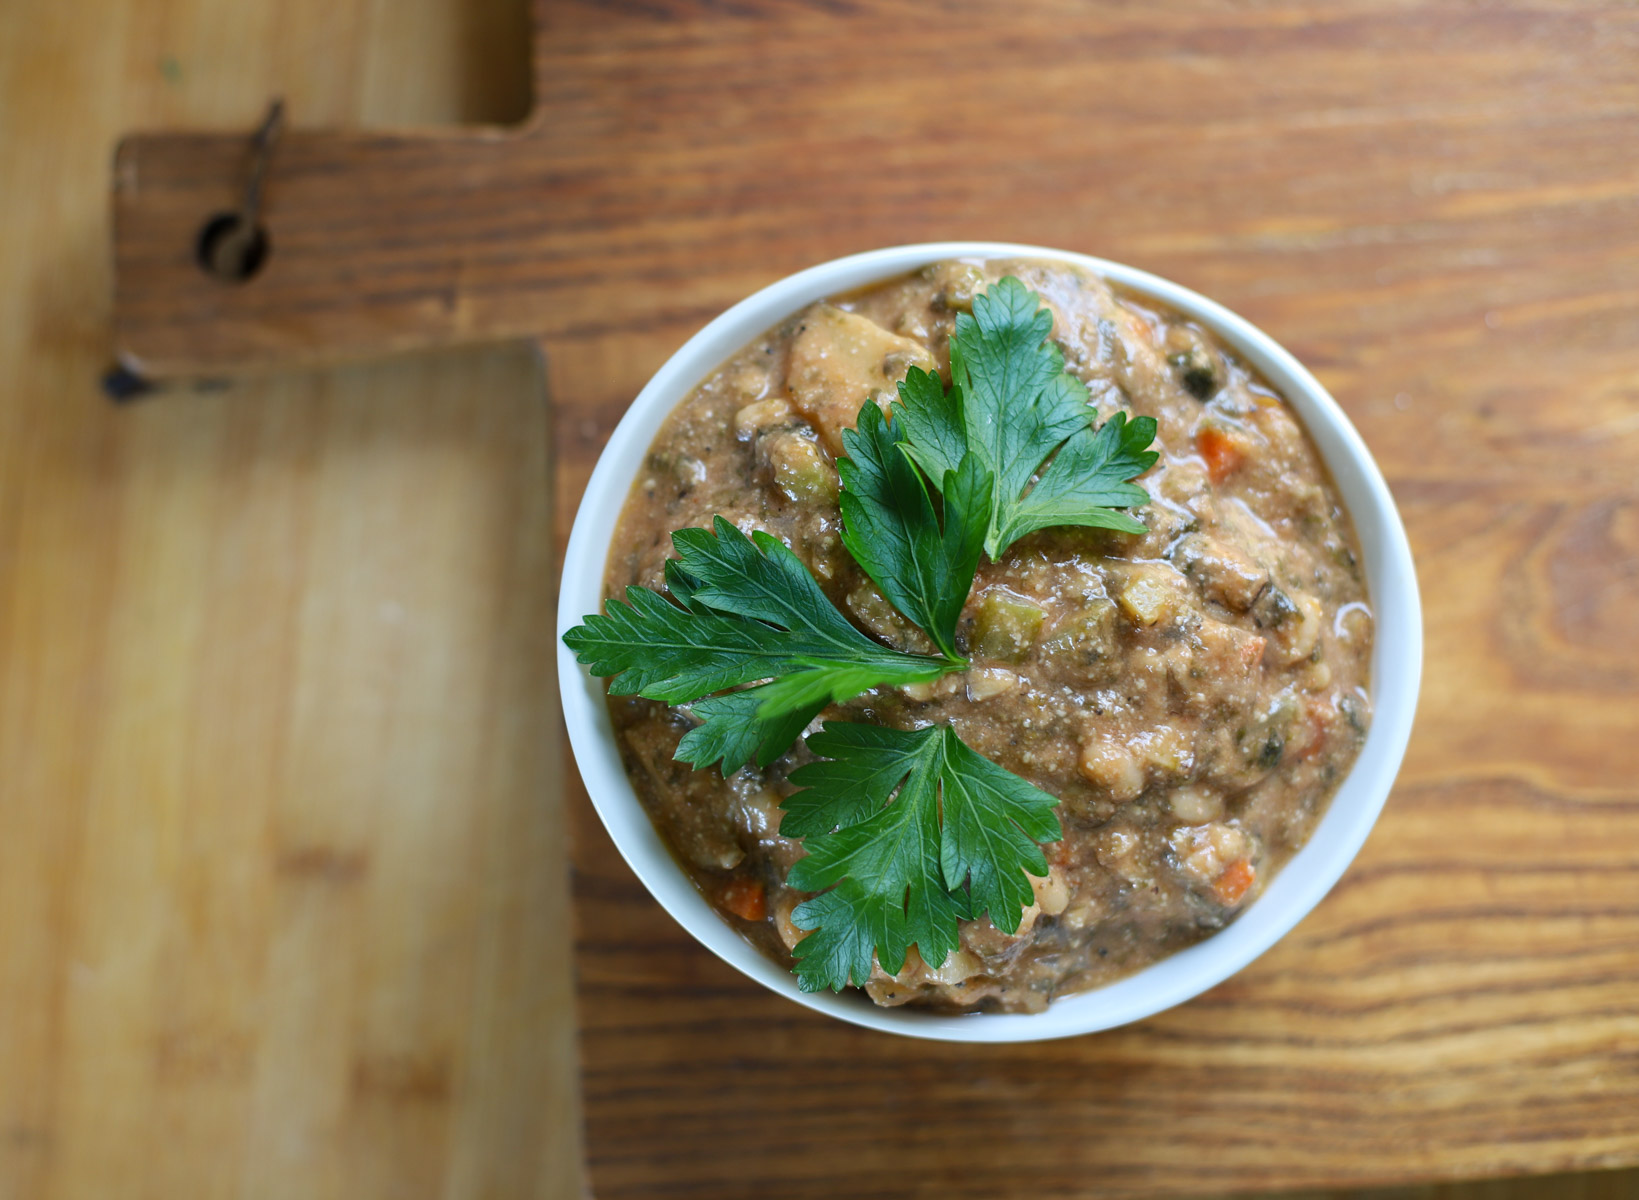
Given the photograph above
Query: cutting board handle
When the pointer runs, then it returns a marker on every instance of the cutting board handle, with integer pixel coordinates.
(371, 243)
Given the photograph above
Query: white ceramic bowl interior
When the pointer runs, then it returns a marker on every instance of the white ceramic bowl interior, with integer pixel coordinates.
(1395, 668)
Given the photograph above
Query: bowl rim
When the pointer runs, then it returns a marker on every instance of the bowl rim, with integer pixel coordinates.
(1396, 664)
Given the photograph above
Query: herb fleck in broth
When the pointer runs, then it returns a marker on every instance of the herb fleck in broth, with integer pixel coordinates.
(1191, 695)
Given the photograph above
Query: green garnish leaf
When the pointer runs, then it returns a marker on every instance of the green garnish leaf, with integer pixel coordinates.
(1012, 403)
(911, 832)
(732, 730)
(1087, 480)
(743, 610)
(925, 569)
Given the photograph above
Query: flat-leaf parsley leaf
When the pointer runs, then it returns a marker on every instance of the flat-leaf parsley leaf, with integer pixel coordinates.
(924, 567)
(743, 610)
(1012, 403)
(957, 840)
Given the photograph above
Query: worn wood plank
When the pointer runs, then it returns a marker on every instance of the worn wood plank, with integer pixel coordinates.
(281, 902)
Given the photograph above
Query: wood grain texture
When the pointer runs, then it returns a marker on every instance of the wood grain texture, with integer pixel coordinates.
(1437, 209)
(1436, 206)
(281, 904)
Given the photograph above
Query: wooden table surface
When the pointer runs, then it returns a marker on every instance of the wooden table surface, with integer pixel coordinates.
(279, 905)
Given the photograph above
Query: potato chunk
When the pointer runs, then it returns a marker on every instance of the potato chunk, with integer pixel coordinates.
(1152, 595)
(839, 360)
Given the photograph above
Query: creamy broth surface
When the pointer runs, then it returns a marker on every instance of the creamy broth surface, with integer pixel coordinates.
(1193, 695)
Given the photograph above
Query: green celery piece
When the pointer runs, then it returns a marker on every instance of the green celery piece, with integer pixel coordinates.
(958, 839)
(925, 569)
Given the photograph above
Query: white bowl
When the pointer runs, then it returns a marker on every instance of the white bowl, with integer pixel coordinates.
(1396, 662)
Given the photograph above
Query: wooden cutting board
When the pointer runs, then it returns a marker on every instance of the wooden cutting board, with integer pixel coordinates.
(1435, 206)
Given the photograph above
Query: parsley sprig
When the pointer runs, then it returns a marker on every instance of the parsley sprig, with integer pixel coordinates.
(956, 842)
(1013, 405)
(907, 832)
(743, 610)
(922, 565)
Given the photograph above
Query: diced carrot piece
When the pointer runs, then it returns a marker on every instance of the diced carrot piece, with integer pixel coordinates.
(1234, 883)
(1222, 451)
(745, 898)
(1310, 734)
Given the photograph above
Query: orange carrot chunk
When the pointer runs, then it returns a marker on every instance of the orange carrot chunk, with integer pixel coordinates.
(745, 898)
(1221, 450)
(1234, 883)
(1309, 736)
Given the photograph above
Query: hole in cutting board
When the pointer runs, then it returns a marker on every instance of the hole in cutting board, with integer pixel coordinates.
(487, 80)
(230, 248)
